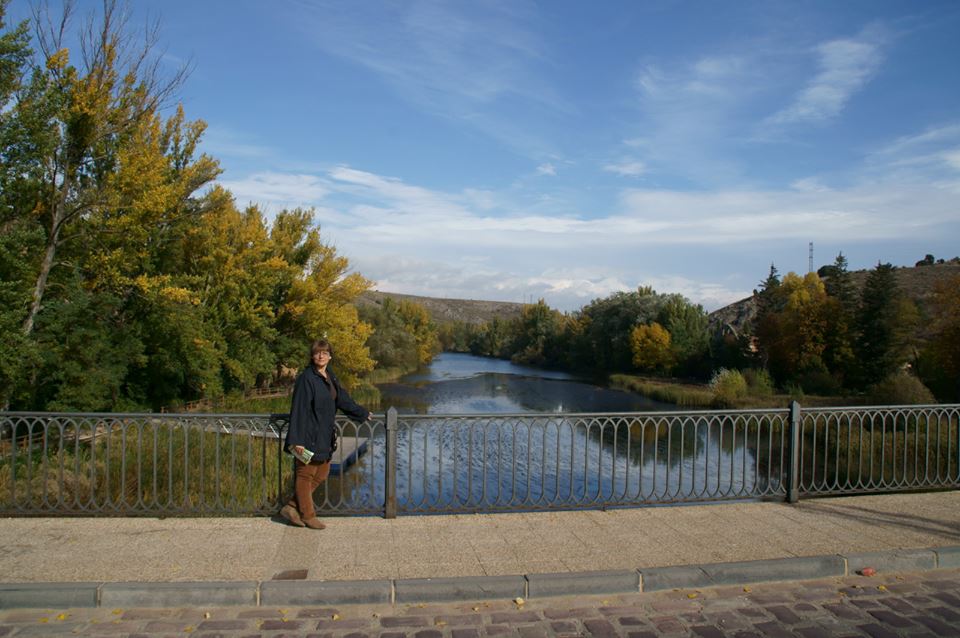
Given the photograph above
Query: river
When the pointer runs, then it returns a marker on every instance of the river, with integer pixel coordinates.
(479, 434)
(456, 383)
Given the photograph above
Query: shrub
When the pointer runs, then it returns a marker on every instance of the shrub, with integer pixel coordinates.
(728, 386)
(819, 381)
(901, 388)
(759, 382)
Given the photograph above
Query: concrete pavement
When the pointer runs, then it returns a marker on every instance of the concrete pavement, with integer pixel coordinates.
(258, 560)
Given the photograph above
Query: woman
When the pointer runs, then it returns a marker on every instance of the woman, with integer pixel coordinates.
(316, 397)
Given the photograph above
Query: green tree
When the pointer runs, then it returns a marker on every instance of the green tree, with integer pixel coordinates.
(688, 325)
(537, 334)
(93, 177)
(841, 313)
(606, 325)
(92, 131)
(403, 336)
(884, 324)
(491, 339)
(416, 321)
(19, 241)
(792, 332)
(942, 352)
(391, 344)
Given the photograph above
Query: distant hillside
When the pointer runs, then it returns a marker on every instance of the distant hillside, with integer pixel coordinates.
(916, 281)
(449, 310)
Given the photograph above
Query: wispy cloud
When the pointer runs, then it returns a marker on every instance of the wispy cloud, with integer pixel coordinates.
(224, 143)
(845, 66)
(932, 155)
(457, 60)
(547, 169)
(627, 168)
(275, 191)
(501, 244)
(691, 113)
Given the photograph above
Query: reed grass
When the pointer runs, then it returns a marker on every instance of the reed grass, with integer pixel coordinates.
(143, 467)
(681, 394)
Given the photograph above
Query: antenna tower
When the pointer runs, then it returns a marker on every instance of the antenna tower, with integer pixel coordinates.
(810, 262)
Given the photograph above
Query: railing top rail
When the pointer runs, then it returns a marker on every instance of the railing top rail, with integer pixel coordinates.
(932, 406)
(510, 415)
(148, 415)
(570, 415)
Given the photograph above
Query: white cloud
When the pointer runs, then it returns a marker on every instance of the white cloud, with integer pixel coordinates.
(920, 143)
(503, 244)
(871, 211)
(952, 158)
(693, 113)
(221, 142)
(846, 65)
(547, 169)
(627, 168)
(278, 190)
(808, 185)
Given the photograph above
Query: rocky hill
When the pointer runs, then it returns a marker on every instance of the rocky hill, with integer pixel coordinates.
(449, 310)
(917, 281)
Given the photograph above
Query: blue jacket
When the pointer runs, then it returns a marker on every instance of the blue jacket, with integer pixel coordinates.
(313, 413)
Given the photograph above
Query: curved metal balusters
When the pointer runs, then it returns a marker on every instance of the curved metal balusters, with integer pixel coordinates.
(874, 449)
(208, 464)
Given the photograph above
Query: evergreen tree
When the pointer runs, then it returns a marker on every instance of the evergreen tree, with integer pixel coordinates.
(841, 315)
(883, 325)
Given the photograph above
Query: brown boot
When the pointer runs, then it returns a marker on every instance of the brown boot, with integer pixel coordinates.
(314, 523)
(290, 513)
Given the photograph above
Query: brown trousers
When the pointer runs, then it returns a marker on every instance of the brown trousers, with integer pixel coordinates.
(307, 479)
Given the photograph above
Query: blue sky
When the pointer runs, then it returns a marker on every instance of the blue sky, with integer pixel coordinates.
(566, 150)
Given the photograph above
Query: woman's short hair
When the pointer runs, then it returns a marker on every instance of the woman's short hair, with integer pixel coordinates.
(320, 345)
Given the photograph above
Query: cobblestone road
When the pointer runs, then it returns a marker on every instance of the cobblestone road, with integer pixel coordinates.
(911, 604)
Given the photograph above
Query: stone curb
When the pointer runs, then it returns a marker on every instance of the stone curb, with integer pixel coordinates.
(567, 583)
(450, 589)
(947, 557)
(325, 592)
(16, 595)
(305, 592)
(902, 560)
(199, 594)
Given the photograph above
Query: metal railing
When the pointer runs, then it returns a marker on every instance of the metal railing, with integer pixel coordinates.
(191, 464)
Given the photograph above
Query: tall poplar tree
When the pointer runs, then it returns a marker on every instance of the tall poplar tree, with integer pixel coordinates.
(884, 325)
(96, 182)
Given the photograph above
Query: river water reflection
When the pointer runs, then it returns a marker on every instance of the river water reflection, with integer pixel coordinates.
(464, 384)
(480, 434)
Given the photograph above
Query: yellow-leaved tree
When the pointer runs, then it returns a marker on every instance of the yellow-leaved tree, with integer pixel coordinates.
(650, 344)
(319, 303)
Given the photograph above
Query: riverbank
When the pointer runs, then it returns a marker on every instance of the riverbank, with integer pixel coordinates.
(695, 395)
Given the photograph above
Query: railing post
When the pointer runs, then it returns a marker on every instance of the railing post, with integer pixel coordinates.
(390, 467)
(793, 455)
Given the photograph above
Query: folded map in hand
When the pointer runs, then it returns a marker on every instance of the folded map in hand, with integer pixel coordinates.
(304, 456)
